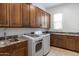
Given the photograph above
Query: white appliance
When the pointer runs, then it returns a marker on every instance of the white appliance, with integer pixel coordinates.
(38, 45)
(46, 44)
(35, 45)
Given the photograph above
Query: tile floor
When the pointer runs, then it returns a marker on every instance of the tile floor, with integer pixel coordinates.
(54, 51)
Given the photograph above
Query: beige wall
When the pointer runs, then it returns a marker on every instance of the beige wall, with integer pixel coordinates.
(70, 17)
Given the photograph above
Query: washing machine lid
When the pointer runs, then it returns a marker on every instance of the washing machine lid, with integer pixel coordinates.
(32, 37)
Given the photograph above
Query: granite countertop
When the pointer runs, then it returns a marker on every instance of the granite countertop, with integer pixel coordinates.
(63, 33)
(4, 43)
(66, 33)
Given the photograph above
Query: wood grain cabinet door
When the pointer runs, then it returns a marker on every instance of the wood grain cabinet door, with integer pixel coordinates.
(32, 16)
(19, 49)
(77, 44)
(51, 38)
(54, 40)
(70, 42)
(19, 52)
(26, 15)
(5, 51)
(47, 20)
(42, 19)
(38, 17)
(4, 21)
(60, 41)
(15, 15)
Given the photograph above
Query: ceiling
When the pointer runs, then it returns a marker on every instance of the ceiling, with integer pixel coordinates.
(48, 5)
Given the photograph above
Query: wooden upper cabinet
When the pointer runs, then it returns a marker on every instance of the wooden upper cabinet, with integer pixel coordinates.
(42, 19)
(22, 15)
(4, 21)
(32, 16)
(25, 15)
(38, 17)
(15, 15)
(47, 20)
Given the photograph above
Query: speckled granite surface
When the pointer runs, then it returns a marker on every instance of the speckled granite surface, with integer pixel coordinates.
(4, 43)
(65, 33)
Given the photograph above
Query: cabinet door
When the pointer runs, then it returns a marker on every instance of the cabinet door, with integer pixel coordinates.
(47, 20)
(32, 16)
(15, 15)
(25, 14)
(51, 38)
(77, 43)
(42, 19)
(70, 42)
(4, 21)
(54, 40)
(38, 17)
(5, 51)
(19, 52)
(61, 41)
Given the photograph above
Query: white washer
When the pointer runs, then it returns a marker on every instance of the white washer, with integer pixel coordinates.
(35, 45)
(46, 44)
